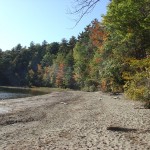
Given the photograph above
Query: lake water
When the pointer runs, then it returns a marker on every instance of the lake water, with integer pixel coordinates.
(11, 93)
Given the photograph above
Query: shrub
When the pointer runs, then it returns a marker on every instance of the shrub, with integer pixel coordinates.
(137, 86)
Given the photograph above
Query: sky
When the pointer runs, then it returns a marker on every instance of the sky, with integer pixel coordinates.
(23, 21)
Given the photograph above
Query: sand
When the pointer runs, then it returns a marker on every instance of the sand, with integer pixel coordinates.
(74, 120)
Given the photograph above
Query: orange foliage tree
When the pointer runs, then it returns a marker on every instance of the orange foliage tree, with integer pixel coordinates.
(97, 34)
(60, 75)
(97, 37)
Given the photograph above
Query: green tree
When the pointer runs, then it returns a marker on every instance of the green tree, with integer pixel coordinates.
(126, 24)
(83, 54)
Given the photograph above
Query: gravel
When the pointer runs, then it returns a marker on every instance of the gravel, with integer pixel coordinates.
(74, 120)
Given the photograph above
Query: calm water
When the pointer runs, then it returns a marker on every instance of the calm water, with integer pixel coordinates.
(11, 93)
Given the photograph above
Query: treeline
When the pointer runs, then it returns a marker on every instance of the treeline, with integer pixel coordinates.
(39, 65)
(112, 56)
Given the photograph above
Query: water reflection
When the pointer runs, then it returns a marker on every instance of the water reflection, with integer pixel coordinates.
(11, 93)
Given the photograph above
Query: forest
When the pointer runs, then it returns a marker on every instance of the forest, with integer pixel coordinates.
(112, 56)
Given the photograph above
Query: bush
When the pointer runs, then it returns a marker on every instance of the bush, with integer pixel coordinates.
(90, 85)
(137, 93)
(91, 88)
(137, 86)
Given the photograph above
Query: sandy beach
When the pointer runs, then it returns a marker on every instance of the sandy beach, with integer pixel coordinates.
(74, 120)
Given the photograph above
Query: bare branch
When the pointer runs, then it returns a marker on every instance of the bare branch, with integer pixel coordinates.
(81, 8)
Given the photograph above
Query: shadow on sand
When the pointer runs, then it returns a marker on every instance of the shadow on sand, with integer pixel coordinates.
(121, 129)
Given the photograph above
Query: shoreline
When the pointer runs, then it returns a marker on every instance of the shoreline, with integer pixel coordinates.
(74, 120)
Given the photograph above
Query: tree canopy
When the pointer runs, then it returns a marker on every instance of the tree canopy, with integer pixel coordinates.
(112, 55)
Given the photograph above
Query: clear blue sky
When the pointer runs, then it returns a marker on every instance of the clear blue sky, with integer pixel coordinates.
(23, 21)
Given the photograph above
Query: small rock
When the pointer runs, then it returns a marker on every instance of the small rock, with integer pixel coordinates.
(83, 136)
(89, 144)
(63, 103)
(116, 97)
